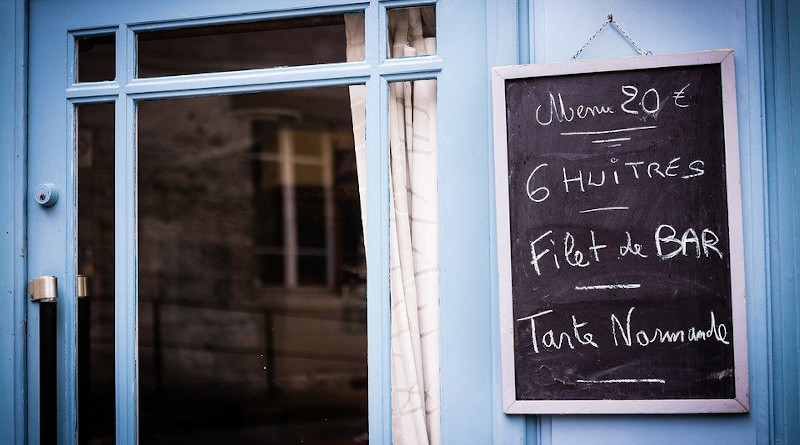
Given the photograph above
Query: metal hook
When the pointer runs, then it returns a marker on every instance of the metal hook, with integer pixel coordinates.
(610, 19)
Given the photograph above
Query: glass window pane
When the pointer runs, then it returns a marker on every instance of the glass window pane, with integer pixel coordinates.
(269, 192)
(307, 143)
(96, 58)
(240, 46)
(95, 159)
(310, 195)
(272, 270)
(252, 301)
(265, 136)
(412, 31)
(312, 270)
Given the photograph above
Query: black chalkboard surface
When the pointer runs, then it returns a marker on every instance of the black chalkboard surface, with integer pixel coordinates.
(619, 236)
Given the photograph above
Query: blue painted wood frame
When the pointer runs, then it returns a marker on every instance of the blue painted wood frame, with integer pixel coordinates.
(50, 83)
(781, 54)
(507, 44)
(469, 414)
(13, 44)
(47, 247)
(464, 216)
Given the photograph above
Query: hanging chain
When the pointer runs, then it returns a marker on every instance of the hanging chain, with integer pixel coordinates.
(610, 19)
(639, 49)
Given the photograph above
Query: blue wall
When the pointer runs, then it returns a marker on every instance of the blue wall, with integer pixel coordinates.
(553, 31)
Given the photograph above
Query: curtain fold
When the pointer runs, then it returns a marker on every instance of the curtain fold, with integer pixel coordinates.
(413, 229)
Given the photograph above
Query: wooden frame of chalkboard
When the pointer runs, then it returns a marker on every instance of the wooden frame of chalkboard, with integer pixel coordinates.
(619, 236)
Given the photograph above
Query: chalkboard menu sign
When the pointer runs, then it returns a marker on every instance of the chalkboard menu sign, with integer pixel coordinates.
(620, 251)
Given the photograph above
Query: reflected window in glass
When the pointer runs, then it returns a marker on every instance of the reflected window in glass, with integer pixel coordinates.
(240, 46)
(252, 271)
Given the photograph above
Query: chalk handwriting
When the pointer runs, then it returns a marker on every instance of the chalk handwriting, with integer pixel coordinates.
(551, 251)
(631, 247)
(566, 113)
(651, 335)
(576, 179)
(550, 332)
(704, 244)
(678, 95)
(558, 107)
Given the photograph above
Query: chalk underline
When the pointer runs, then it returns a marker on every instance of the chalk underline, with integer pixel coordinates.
(609, 286)
(603, 141)
(599, 209)
(662, 381)
(619, 130)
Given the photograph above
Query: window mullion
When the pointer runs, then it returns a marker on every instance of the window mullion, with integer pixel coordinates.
(286, 151)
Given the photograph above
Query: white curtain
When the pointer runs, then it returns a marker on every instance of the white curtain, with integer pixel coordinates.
(413, 229)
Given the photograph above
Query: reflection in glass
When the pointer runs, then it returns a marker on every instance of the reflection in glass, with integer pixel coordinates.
(96, 58)
(412, 31)
(252, 300)
(95, 159)
(264, 44)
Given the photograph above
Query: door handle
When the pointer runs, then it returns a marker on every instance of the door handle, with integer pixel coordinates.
(83, 286)
(44, 290)
(84, 365)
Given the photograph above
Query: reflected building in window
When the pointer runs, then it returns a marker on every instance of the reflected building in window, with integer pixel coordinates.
(252, 307)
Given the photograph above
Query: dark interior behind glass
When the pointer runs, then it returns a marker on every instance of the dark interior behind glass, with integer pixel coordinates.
(252, 300)
(250, 45)
(95, 58)
(95, 160)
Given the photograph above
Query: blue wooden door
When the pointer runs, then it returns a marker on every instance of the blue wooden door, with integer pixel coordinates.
(123, 97)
